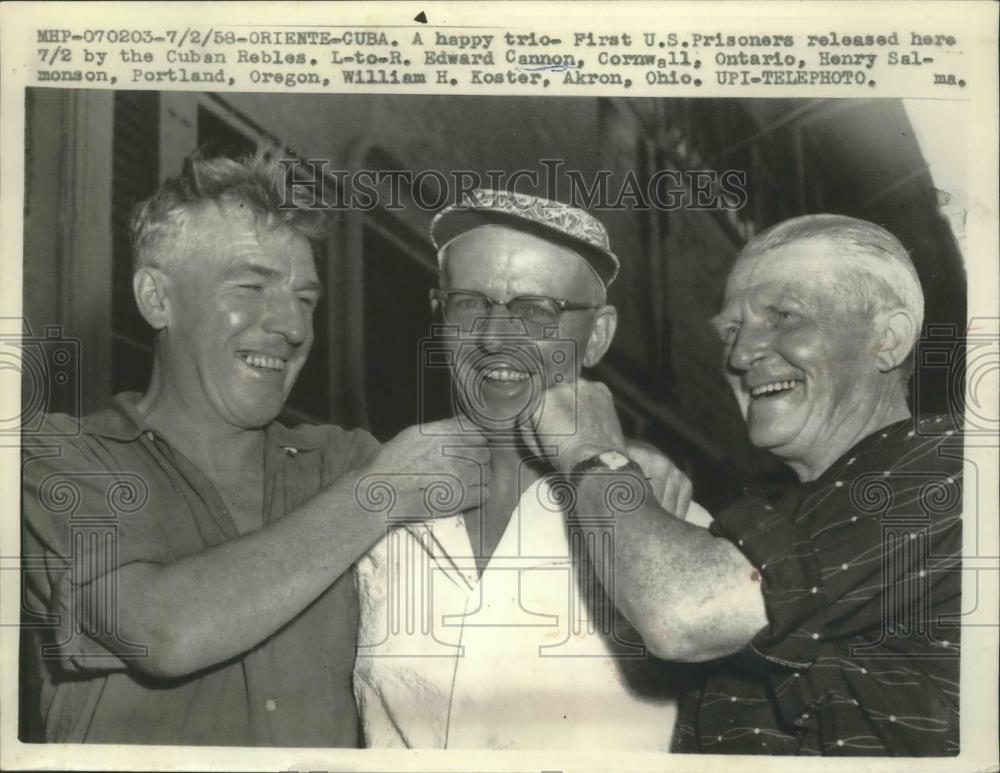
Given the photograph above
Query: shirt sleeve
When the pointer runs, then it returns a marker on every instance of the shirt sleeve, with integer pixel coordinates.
(363, 448)
(853, 570)
(83, 520)
(794, 597)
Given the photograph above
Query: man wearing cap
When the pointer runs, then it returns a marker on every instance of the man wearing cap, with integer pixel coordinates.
(486, 630)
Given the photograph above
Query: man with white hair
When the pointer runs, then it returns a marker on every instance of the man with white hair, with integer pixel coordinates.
(829, 611)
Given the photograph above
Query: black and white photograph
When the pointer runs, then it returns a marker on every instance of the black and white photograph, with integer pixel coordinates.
(385, 422)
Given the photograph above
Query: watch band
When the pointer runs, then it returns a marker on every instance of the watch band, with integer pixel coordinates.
(607, 460)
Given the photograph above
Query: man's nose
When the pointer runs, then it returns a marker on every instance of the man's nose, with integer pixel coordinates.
(498, 326)
(753, 341)
(286, 316)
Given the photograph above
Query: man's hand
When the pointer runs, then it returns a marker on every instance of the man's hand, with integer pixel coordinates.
(426, 471)
(671, 486)
(575, 421)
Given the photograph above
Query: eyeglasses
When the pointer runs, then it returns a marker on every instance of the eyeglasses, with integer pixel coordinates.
(464, 307)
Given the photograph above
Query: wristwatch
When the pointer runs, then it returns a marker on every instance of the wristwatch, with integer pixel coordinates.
(607, 460)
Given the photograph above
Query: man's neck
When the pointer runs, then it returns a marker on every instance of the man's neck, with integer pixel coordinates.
(222, 451)
(890, 409)
(512, 461)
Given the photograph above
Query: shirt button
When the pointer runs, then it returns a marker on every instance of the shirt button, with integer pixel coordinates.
(291, 451)
(270, 704)
(150, 436)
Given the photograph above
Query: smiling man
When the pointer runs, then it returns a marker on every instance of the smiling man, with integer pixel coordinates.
(185, 551)
(486, 630)
(828, 611)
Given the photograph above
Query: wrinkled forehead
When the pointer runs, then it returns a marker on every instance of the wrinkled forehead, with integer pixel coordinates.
(231, 234)
(505, 261)
(808, 265)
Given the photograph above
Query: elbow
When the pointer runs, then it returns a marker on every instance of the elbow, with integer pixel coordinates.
(675, 646)
(168, 654)
(663, 638)
(688, 637)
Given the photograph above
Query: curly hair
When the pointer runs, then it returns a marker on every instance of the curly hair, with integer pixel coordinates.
(257, 184)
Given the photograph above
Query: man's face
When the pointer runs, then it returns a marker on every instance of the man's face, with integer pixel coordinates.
(241, 318)
(800, 358)
(503, 363)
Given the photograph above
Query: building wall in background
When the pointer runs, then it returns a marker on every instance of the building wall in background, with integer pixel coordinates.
(800, 156)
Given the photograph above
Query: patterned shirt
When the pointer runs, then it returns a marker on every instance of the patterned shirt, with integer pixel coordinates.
(861, 582)
(108, 491)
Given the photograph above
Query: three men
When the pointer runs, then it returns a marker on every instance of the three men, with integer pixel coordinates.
(186, 551)
(830, 610)
(486, 630)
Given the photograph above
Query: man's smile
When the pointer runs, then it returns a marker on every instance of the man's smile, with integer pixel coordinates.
(505, 374)
(774, 388)
(262, 362)
(500, 376)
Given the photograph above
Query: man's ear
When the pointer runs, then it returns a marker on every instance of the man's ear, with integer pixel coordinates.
(151, 289)
(897, 334)
(602, 332)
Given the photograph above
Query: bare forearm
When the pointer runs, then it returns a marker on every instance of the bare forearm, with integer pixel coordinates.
(691, 595)
(205, 608)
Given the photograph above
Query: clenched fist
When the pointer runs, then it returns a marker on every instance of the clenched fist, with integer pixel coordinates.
(575, 421)
(427, 471)
(671, 486)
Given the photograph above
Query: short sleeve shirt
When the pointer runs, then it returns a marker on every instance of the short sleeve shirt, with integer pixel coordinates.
(108, 491)
(861, 583)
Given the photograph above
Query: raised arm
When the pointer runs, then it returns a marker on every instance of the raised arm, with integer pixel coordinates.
(691, 595)
(196, 611)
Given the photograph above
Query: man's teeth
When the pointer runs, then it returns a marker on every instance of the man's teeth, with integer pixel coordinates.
(262, 361)
(774, 386)
(503, 374)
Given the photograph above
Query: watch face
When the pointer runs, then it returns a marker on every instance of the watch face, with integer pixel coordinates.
(613, 460)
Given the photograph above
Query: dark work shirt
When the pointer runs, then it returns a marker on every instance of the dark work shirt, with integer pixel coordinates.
(109, 491)
(861, 583)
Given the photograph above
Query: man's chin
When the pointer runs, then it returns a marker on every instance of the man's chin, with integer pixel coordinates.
(496, 420)
(772, 439)
(257, 415)
(493, 414)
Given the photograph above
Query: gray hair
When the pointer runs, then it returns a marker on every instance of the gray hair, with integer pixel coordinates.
(875, 267)
(257, 184)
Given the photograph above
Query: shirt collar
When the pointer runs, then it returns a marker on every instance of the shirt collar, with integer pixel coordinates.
(787, 493)
(122, 421)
